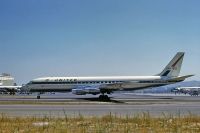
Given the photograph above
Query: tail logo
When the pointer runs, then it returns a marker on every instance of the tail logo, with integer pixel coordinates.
(174, 65)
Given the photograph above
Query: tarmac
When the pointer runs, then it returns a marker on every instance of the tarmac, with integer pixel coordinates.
(126, 104)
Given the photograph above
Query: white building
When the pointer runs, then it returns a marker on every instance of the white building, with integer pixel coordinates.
(6, 80)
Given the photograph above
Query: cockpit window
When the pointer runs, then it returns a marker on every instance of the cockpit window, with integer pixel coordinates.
(30, 82)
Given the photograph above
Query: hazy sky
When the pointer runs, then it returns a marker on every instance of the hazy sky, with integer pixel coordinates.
(97, 37)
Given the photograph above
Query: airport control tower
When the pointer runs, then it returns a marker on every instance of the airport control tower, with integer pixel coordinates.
(6, 80)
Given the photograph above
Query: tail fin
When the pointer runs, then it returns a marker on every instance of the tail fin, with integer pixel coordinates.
(174, 66)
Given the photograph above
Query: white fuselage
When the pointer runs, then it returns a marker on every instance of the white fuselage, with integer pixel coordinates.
(58, 84)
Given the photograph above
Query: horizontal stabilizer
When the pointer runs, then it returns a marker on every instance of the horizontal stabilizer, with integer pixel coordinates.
(180, 78)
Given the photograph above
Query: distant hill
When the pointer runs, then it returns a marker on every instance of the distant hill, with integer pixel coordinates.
(168, 88)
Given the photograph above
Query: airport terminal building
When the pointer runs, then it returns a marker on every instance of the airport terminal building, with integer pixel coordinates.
(6, 80)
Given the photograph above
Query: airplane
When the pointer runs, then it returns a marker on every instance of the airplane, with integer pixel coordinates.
(193, 91)
(11, 89)
(107, 84)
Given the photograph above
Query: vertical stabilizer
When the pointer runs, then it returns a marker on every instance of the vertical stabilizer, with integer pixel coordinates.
(174, 66)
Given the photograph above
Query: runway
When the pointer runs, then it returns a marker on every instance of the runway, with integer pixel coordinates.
(61, 105)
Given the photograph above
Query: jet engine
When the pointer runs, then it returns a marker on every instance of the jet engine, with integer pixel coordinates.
(84, 91)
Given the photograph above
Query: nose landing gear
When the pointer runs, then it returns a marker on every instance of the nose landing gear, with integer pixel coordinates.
(38, 96)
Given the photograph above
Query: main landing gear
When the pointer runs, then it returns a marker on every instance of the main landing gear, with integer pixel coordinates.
(104, 98)
(12, 92)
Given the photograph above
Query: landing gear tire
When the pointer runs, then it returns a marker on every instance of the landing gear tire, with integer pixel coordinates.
(12, 93)
(104, 98)
(38, 97)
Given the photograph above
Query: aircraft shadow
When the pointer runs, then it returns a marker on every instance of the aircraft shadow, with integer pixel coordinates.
(98, 100)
